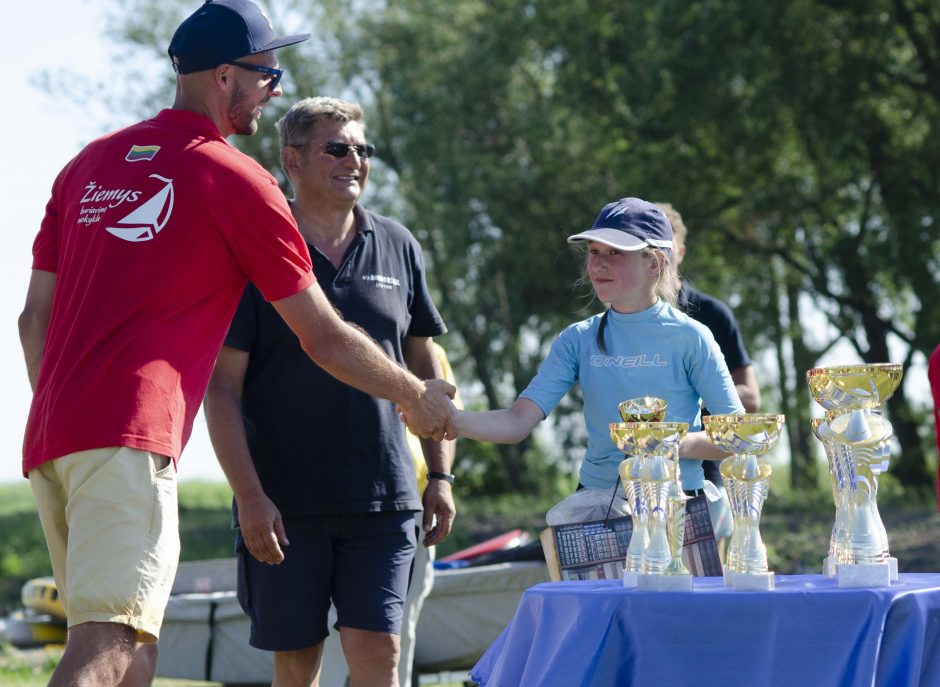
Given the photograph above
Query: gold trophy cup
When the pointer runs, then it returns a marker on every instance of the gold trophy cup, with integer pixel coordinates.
(662, 569)
(857, 439)
(634, 410)
(747, 477)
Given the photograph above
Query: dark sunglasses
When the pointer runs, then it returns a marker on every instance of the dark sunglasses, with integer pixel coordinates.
(275, 74)
(341, 150)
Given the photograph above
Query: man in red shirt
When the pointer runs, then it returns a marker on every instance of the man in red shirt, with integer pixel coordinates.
(148, 241)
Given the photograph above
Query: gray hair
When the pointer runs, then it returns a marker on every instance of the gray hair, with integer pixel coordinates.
(296, 126)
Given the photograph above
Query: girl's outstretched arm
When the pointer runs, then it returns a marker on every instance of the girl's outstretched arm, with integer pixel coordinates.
(508, 426)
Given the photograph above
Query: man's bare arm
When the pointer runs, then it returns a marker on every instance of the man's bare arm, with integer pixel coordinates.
(745, 381)
(439, 507)
(258, 518)
(33, 322)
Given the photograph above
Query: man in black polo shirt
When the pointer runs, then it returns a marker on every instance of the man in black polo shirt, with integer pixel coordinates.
(312, 462)
(718, 317)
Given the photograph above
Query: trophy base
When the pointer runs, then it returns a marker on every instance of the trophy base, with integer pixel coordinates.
(630, 578)
(665, 583)
(829, 567)
(751, 582)
(893, 564)
(860, 575)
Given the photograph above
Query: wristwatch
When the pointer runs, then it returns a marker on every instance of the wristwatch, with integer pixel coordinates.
(446, 476)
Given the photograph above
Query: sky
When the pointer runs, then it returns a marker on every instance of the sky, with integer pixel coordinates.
(41, 134)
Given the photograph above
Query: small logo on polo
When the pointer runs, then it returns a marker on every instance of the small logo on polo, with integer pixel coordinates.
(146, 221)
(382, 281)
(141, 153)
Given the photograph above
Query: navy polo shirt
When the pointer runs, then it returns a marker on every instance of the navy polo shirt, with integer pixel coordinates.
(717, 316)
(320, 446)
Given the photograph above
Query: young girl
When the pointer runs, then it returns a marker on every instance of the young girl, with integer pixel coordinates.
(641, 346)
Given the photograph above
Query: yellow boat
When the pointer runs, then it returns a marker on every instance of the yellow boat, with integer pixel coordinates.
(41, 596)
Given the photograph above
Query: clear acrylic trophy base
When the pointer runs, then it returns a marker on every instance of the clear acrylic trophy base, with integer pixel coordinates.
(860, 575)
(753, 582)
(630, 578)
(829, 567)
(665, 583)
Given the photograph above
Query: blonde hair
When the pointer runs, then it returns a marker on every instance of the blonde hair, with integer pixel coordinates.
(679, 229)
(667, 281)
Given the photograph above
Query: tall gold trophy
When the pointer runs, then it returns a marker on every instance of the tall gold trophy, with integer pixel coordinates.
(645, 409)
(857, 439)
(747, 478)
(663, 569)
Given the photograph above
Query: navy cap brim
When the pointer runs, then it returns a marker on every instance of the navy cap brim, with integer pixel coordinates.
(283, 42)
(615, 238)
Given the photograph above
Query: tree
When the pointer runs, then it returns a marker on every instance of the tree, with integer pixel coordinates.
(797, 137)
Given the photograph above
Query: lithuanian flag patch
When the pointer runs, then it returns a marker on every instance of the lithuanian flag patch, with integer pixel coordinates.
(139, 153)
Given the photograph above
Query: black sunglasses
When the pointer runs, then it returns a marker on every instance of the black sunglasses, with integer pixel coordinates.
(341, 150)
(275, 74)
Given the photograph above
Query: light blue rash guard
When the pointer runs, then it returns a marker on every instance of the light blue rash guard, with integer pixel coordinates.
(657, 352)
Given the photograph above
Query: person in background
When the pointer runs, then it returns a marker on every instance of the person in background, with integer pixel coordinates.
(149, 238)
(641, 345)
(334, 671)
(311, 460)
(718, 317)
(933, 374)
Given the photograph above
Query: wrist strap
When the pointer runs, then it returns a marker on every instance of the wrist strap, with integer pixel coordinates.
(446, 476)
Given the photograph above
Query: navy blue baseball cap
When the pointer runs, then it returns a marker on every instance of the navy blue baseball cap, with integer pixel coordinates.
(221, 31)
(629, 224)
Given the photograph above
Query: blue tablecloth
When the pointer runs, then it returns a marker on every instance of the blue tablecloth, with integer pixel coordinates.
(805, 633)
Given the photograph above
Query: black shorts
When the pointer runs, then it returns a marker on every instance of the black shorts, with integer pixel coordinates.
(362, 562)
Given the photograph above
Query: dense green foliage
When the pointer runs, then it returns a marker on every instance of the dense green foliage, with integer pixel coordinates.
(799, 138)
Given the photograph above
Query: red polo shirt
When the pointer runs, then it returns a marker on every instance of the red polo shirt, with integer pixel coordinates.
(153, 232)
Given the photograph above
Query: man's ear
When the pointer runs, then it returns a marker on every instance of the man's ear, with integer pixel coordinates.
(290, 161)
(223, 75)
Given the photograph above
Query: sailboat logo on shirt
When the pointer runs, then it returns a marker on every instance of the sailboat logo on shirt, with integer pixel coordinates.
(146, 221)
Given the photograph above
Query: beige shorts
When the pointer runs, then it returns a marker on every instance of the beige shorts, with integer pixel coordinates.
(112, 527)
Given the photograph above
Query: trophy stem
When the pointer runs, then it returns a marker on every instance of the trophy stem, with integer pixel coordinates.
(732, 486)
(754, 555)
(676, 534)
(630, 474)
(656, 480)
